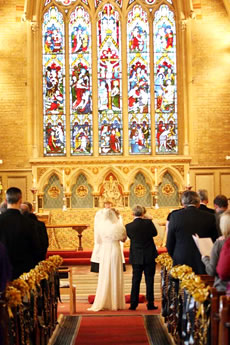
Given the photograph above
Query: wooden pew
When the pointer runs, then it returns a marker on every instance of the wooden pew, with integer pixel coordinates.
(224, 326)
(214, 315)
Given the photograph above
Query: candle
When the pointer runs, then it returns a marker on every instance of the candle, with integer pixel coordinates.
(188, 179)
(34, 182)
(63, 178)
(155, 176)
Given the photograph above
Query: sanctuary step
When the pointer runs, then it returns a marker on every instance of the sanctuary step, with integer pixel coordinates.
(74, 257)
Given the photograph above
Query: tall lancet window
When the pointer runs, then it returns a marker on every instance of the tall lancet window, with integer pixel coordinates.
(54, 83)
(165, 81)
(138, 81)
(109, 78)
(80, 82)
(109, 81)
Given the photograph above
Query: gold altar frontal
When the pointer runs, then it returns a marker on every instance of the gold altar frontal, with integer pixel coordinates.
(62, 235)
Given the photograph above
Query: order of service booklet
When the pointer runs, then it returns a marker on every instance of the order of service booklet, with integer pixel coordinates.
(204, 245)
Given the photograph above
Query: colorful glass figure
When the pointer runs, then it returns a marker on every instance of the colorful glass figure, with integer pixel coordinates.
(80, 82)
(165, 81)
(53, 83)
(138, 82)
(109, 82)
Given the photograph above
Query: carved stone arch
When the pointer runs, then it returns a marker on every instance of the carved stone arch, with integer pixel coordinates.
(43, 181)
(75, 174)
(176, 176)
(141, 191)
(147, 174)
(116, 172)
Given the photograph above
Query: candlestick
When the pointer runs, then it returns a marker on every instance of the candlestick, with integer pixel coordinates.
(156, 177)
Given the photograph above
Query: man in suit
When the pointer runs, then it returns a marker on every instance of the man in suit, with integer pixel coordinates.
(203, 195)
(185, 223)
(142, 256)
(27, 210)
(220, 205)
(19, 235)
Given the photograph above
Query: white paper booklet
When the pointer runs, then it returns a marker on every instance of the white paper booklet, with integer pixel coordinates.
(204, 245)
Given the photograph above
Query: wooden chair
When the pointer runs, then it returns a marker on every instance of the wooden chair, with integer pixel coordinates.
(68, 288)
(224, 326)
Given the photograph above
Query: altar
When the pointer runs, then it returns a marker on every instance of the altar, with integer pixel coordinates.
(62, 235)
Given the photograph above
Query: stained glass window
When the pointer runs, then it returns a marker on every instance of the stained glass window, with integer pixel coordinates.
(109, 82)
(54, 83)
(123, 83)
(80, 82)
(138, 82)
(165, 81)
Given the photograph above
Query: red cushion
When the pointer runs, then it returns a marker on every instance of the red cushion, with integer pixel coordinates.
(127, 299)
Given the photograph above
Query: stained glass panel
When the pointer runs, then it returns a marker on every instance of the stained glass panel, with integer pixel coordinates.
(80, 82)
(53, 83)
(165, 81)
(66, 2)
(109, 82)
(138, 82)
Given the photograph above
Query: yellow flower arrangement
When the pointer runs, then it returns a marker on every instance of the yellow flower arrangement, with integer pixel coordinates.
(22, 286)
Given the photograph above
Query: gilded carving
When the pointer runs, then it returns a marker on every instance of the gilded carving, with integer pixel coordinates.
(180, 168)
(54, 192)
(95, 171)
(125, 170)
(67, 171)
(111, 190)
(82, 191)
(41, 172)
(140, 190)
(168, 189)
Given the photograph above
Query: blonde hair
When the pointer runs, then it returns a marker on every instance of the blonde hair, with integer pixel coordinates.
(225, 223)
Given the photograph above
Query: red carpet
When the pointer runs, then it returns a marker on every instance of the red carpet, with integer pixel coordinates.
(81, 309)
(122, 330)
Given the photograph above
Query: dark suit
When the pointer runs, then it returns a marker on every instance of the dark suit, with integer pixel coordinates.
(142, 257)
(20, 238)
(42, 234)
(207, 209)
(180, 244)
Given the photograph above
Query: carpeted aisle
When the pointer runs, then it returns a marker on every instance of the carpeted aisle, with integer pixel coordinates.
(117, 330)
(110, 330)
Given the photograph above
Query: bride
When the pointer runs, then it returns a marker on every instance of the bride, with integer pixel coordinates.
(110, 287)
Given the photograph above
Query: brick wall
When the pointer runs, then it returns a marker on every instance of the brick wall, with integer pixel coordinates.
(210, 122)
(13, 69)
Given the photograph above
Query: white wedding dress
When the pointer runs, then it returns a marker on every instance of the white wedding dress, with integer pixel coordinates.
(110, 288)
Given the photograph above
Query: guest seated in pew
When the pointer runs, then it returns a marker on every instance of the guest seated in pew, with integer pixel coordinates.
(212, 261)
(185, 223)
(110, 288)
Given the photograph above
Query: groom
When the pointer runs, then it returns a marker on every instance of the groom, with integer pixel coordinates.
(142, 256)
